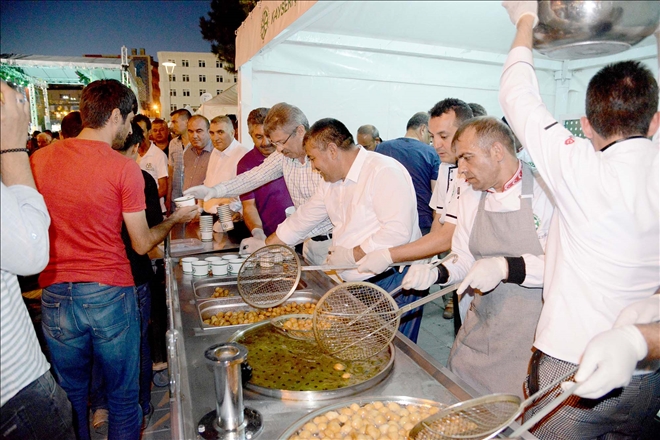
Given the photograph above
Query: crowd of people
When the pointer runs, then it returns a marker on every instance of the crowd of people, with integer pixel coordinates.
(557, 262)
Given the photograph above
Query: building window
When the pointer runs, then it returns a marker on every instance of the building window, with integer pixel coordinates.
(218, 64)
(201, 63)
(172, 78)
(184, 63)
(186, 92)
(217, 92)
(172, 92)
(218, 78)
(185, 78)
(172, 107)
(202, 78)
(202, 91)
(235, 79)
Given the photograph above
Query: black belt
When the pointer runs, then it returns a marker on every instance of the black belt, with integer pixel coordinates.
(323, 237)
(381, 276)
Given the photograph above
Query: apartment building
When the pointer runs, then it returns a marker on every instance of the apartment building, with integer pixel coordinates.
(195, 73)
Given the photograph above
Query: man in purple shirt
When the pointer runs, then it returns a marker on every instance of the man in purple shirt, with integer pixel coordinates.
(263, 208)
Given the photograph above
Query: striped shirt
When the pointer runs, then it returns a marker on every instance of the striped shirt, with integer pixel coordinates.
(25, 246)
(301, 180)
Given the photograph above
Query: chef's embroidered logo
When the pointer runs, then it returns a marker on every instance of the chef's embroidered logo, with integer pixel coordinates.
(537, 222)
(569, 141)
(149, 167)
(264, 23)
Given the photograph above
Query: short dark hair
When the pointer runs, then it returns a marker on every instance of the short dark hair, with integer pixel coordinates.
(136, 137)
(286, 117)
(257, 116)
(143, 118)
(71, 125)
(488, 130)
(195, 117)
(477, 109)
(181, 112)
(418, 119)
(329, 130)
(369, 130)
(462, 111)
(101, 97)
(622, 99)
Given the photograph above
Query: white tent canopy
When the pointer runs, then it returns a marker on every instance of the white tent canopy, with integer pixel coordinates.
(379, 62)
(226, 103)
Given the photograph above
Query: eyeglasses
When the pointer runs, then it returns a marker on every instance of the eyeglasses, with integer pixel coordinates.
(279, 144)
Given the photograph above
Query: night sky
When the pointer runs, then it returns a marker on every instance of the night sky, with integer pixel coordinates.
(74, 28)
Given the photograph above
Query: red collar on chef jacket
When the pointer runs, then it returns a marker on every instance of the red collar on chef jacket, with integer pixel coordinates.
(517, 177)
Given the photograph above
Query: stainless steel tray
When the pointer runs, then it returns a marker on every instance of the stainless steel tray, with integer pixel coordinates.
(236, 304)
(313, 396)
(401, 400)
(205, 288)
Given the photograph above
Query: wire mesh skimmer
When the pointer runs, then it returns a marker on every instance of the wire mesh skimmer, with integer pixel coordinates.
(355, 321)
(485, 417)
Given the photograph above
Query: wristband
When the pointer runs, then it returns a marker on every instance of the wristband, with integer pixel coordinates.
(15, 150)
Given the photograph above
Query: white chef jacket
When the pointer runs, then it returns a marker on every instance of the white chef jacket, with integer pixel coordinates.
(603, 249)
(154, 162)
(222, 167)
(374, 207)
(505, 201)
(447, 191)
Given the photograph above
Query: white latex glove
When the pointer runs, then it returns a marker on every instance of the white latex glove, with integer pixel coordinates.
(259, 233)
(375, 262)
(609, 361)
(518, 9)
(645, 311)
(203, 192)
(420, 277)
(251, 244)
(340, 256)
(485, 274)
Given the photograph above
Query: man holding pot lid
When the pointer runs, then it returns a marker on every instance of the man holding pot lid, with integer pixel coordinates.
(603, 250)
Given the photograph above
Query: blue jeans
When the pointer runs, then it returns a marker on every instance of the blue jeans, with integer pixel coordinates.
(39, 408)
(97, 391)
(410, 321)
(82, 321)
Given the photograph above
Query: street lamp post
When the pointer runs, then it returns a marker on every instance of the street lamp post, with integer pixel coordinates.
(169, 68)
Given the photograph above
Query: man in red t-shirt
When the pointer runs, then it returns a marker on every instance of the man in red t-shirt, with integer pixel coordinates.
(89, 306)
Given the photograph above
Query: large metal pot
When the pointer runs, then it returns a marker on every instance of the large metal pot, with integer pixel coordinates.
(583, 29)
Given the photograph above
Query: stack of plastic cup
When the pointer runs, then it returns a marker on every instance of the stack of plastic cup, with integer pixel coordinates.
(225, 218)
(206, 227)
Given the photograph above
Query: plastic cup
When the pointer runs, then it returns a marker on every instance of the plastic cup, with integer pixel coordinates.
(210, 260)
(235, 265)
(180, 202)
(207, 235)
(289, 211)
(225, 215)
(200, 268)
(186, 263)
(219, 267)
(229, 257)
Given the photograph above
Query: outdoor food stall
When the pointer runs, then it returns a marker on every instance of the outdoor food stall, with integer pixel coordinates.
(294, 386)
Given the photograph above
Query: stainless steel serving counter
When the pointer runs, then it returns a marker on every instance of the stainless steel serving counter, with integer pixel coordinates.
(192, 393)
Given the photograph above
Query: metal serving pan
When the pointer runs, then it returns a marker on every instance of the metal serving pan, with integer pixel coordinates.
(313, 396)
(401, 400)
(205, 288)
(235, 304)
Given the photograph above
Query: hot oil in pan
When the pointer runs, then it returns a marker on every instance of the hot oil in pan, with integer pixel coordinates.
(282, 363)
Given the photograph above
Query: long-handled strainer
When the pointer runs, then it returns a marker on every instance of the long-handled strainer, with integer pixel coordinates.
(484, 417)
(355, 321)
(269, 276)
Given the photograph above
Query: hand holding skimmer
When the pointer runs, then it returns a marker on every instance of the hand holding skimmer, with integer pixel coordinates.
(485, 417)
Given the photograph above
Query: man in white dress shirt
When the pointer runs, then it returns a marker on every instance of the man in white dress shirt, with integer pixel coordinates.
(604, 243)
(285, 126)
(370, 200)
(444, 119)
(503, 221)
(226, 153)
(152, 159)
